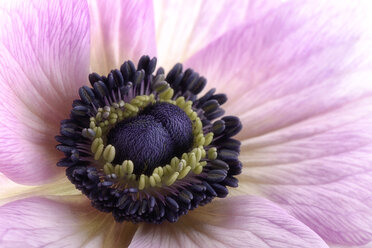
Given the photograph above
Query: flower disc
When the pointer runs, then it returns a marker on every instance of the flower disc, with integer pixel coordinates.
(145, 147)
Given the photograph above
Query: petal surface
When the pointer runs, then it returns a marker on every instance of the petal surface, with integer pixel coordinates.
(11, 191)
(244, 221)
(44, 58)
(300, 80)
(61, 222)
(120, 30)
(7, 187)
(184, 27)
(359, 246)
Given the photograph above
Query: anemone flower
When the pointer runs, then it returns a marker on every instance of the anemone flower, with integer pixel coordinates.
(296, 73)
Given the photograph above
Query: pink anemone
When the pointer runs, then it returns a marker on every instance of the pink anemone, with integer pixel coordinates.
(297, 73)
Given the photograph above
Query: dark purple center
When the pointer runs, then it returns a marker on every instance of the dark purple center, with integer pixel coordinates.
(151, 139)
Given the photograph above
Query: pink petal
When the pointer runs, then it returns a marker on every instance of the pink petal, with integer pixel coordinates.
(66, 222)
(121, 30)
(359, 246)
(38, 222)
(184, 27)
(256, 57)
(44, 56)
(238, 222)
(300, 80)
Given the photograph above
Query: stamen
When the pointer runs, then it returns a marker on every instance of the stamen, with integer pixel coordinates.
(96, 143)
(141, 184)
(212, 153)
(109, 153)
(98, 152)
(108, 168)
(184, 172)
(172, 178)
(198, 169)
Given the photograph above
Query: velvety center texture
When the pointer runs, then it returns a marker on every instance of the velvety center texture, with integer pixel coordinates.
(159, 133)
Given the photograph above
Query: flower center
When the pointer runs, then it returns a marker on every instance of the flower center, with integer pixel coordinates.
(145, 147)
(159, 133)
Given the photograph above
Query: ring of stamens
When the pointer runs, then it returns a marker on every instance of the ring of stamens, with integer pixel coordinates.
(136, 140)
(165, 175)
